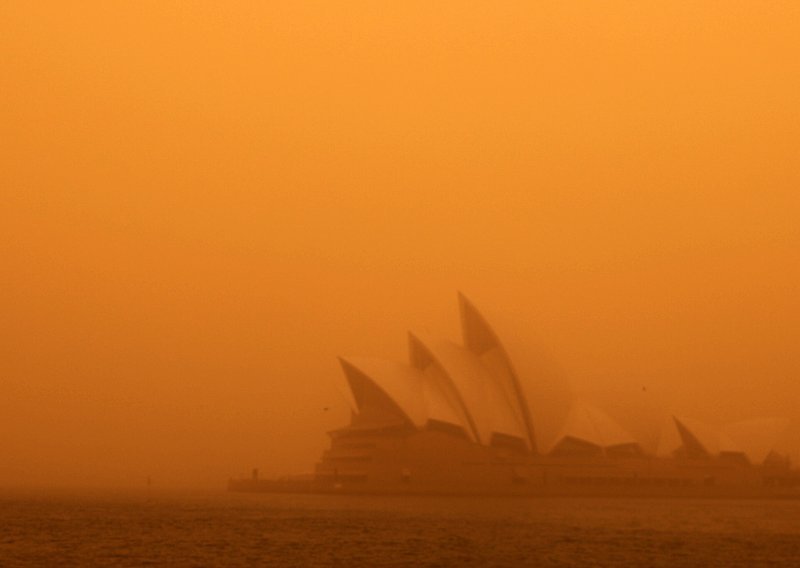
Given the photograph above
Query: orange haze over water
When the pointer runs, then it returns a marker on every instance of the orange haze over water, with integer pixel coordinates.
(204, 203)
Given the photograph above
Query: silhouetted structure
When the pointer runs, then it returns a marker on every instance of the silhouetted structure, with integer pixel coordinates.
(496, 417)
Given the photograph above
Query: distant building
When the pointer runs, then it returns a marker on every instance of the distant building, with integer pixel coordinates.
(493, 415)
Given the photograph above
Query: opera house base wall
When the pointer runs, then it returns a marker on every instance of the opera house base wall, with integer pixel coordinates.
(429, 462)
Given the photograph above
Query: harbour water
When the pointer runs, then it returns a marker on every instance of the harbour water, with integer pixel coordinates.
(221, 529)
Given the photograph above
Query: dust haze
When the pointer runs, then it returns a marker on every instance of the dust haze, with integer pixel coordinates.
(204, 204)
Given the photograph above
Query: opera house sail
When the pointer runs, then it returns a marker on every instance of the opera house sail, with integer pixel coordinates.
(492, 415)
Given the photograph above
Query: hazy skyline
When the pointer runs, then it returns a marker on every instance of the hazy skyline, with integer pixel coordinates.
(203, 205)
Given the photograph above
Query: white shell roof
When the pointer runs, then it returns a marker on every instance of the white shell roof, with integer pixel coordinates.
(699, 433)
(670, 440)
(590, 424)
(711, 439)
(754, 438)
(543, 392)
(438, 406)
(486, 405)
(481, 340)
(376, 408)
(442, 397)
(680, 431)
(640, 411)
(402, 383)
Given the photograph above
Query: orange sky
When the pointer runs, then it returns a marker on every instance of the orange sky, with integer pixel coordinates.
(203, 203)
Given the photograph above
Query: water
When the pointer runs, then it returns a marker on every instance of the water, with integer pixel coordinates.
(284, 530)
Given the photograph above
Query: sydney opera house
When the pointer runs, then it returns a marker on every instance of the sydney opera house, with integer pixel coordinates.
(494, 416)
